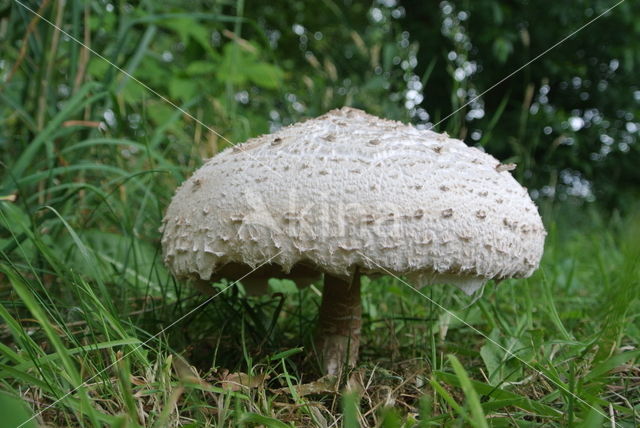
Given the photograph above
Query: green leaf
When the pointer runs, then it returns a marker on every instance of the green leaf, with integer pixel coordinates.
(447, 397)
(285, 354)
(234, 63)
(200, 67)
(502, 48)
(285, 286)
(160, 113)
(255, 418)
(594, 419)
(98, 68)
(478, 418)
(187, 28)
(183, 89)
(14, 412)
(390, 418)
(240, 65)
(610, 364)
(350, 403)
(265, 75)
(500, 394)
(133, 92)
(491, 359)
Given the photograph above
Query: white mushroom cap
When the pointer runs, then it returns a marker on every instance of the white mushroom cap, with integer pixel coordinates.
(349, 190)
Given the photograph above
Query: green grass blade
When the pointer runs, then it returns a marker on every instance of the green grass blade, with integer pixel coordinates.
(478, 418)
(67, 361)
(77, 102)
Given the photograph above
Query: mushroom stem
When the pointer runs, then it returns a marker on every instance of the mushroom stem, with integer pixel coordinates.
(337, 336)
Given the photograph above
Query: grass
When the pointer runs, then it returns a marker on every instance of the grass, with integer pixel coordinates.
(84, 296)
(85, 302)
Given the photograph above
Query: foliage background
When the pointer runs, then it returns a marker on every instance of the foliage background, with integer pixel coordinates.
(90, 158)
(570, 119)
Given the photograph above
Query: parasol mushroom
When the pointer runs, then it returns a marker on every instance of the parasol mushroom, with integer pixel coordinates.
(346, 194)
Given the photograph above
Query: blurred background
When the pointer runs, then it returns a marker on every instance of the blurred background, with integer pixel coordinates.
(101, 121)
(569, 119)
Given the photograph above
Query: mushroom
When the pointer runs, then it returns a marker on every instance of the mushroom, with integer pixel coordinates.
(347, 194)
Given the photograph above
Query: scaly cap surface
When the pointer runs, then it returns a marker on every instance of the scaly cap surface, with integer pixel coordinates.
(349, 189)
